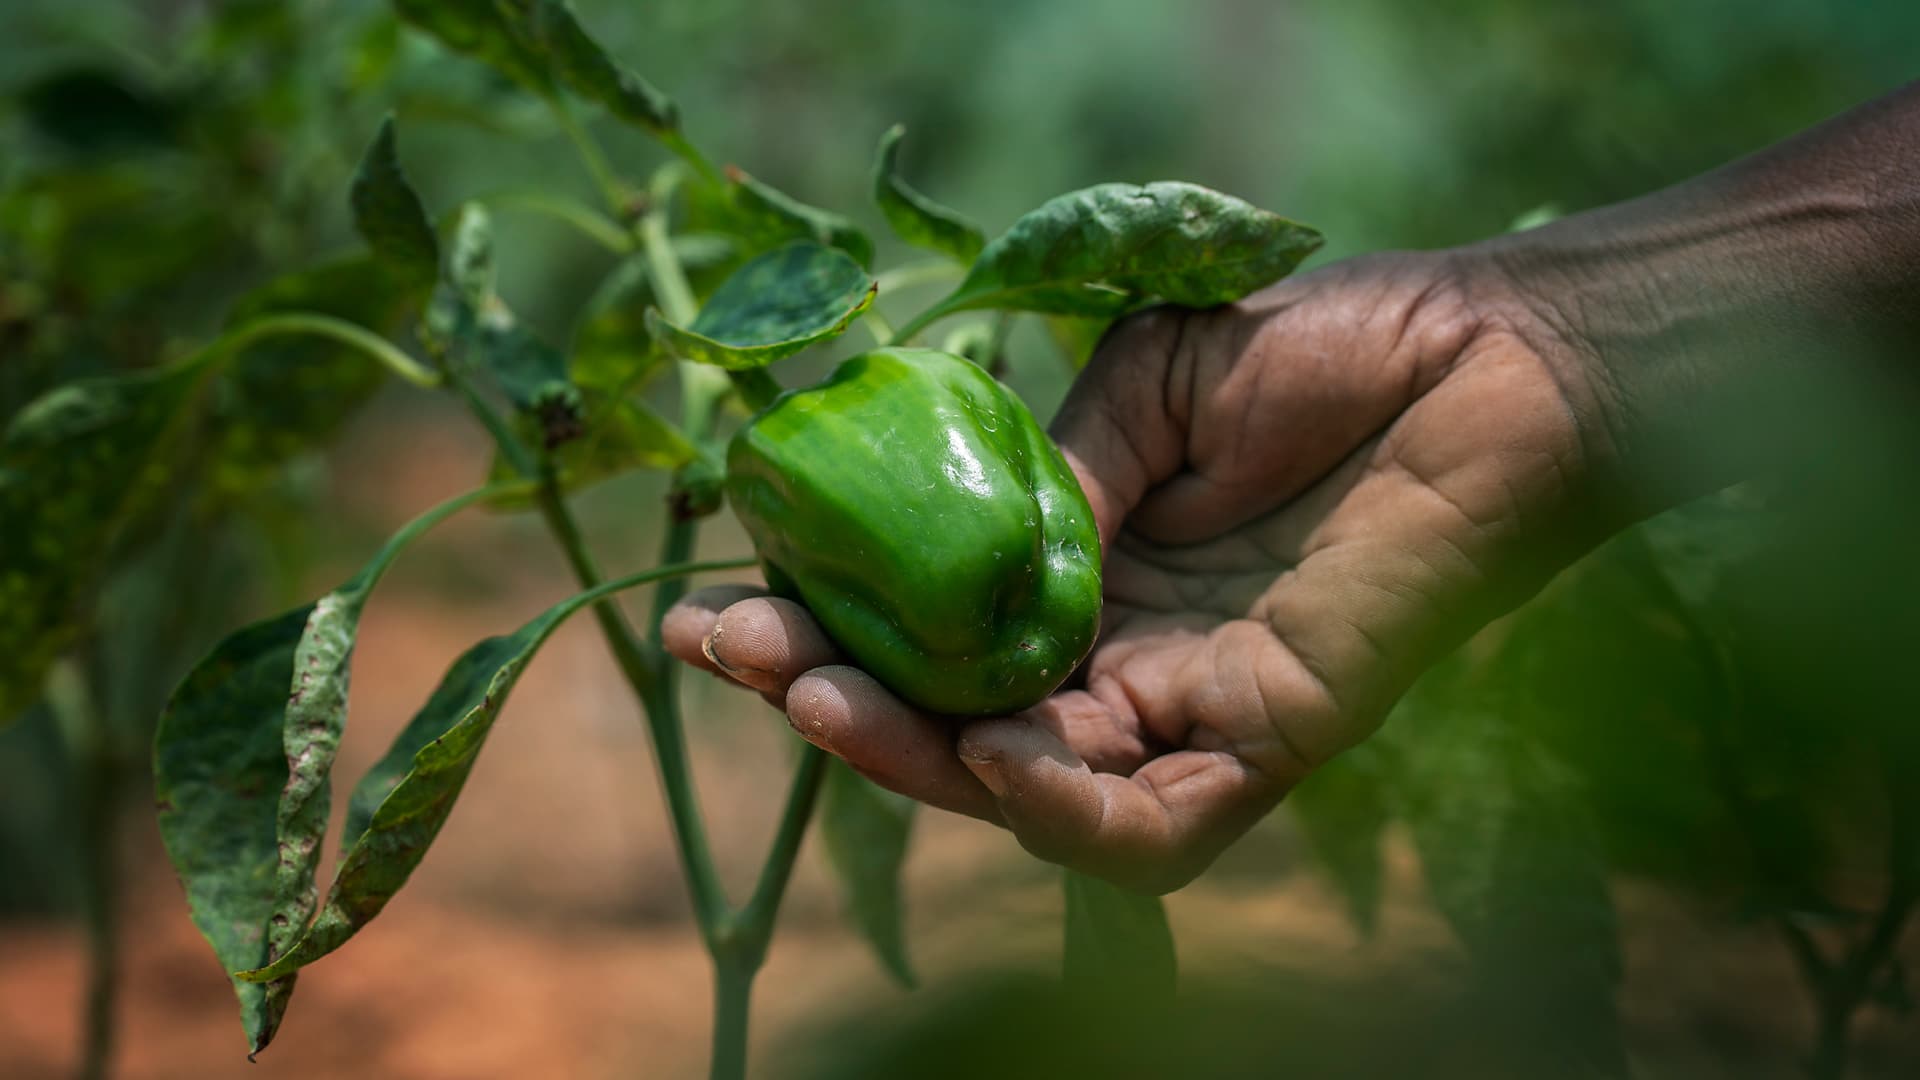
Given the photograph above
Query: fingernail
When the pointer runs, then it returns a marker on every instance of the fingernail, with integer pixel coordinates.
(987, 771)
(706, 646)
(811, 730)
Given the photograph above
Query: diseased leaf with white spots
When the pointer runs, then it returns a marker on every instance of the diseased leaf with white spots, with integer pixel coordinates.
(219, 765)
(242, 760)
(1105, 249)
(771, 308)
(439, 747)
(78, 466)
(466, 681)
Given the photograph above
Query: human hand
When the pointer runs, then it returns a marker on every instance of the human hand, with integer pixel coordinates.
(1305, 499)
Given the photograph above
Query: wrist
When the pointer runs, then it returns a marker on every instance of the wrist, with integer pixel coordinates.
(1737, 323)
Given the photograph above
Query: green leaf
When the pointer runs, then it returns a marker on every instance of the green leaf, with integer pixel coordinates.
(588, 71)
(440, 746)
(915, 218)
(281, 681)
(1118, 943)
(1108, 248)
(78, 466)
(464, 683)
(491, 31)
(1513, 861)
(771, 308)
(283, 396)
(398, 833)
(528, 370)
(219, 764)
(1343, 809)
(866, 829)
(767, 217)
(388, 214)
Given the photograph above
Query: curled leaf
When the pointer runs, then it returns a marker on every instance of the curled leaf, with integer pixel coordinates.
(915, 218)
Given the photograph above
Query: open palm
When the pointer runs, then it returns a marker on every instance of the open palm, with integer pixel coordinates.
(1305, 498)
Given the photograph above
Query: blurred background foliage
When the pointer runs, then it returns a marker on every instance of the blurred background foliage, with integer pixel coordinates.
(1716, 700)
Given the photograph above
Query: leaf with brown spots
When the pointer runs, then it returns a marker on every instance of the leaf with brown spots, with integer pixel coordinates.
(242, 759)
(413, 788)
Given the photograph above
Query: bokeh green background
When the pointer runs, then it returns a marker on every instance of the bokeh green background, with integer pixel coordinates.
(158, 159)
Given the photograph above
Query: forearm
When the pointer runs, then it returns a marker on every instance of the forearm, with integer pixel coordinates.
(1729, 316)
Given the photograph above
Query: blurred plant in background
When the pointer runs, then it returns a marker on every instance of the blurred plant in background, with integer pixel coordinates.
(1713, 700)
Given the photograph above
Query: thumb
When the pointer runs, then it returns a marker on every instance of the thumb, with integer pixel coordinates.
(1117, 428)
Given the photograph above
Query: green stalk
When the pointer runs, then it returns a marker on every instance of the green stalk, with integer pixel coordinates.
(592, 224)
(509, 444)
(732, 1000)
(691, 154)
(742, 945)
(756, 919)
(918, 323)
(920, 273)
(97, 773)
(326, 326)
(654, 681)
(590, 153)
(737, 942)
(878, 326)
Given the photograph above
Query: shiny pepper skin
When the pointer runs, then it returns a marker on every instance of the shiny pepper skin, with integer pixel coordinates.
(915, 506)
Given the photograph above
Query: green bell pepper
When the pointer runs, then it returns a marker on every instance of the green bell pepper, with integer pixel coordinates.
(915, 506)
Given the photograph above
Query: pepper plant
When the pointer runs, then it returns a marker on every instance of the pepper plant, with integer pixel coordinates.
(721, 276)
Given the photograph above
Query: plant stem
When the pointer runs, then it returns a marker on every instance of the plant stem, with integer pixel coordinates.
(663, 265)
(757, 917)
(592, 224)
(878, 326)
(918, 323)
(326, 326)
(591, 155)
(654, 682)
(742, 945)
(732, 997)
(96, 770)
(920, 273)
(691, 154)
(503, 437)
